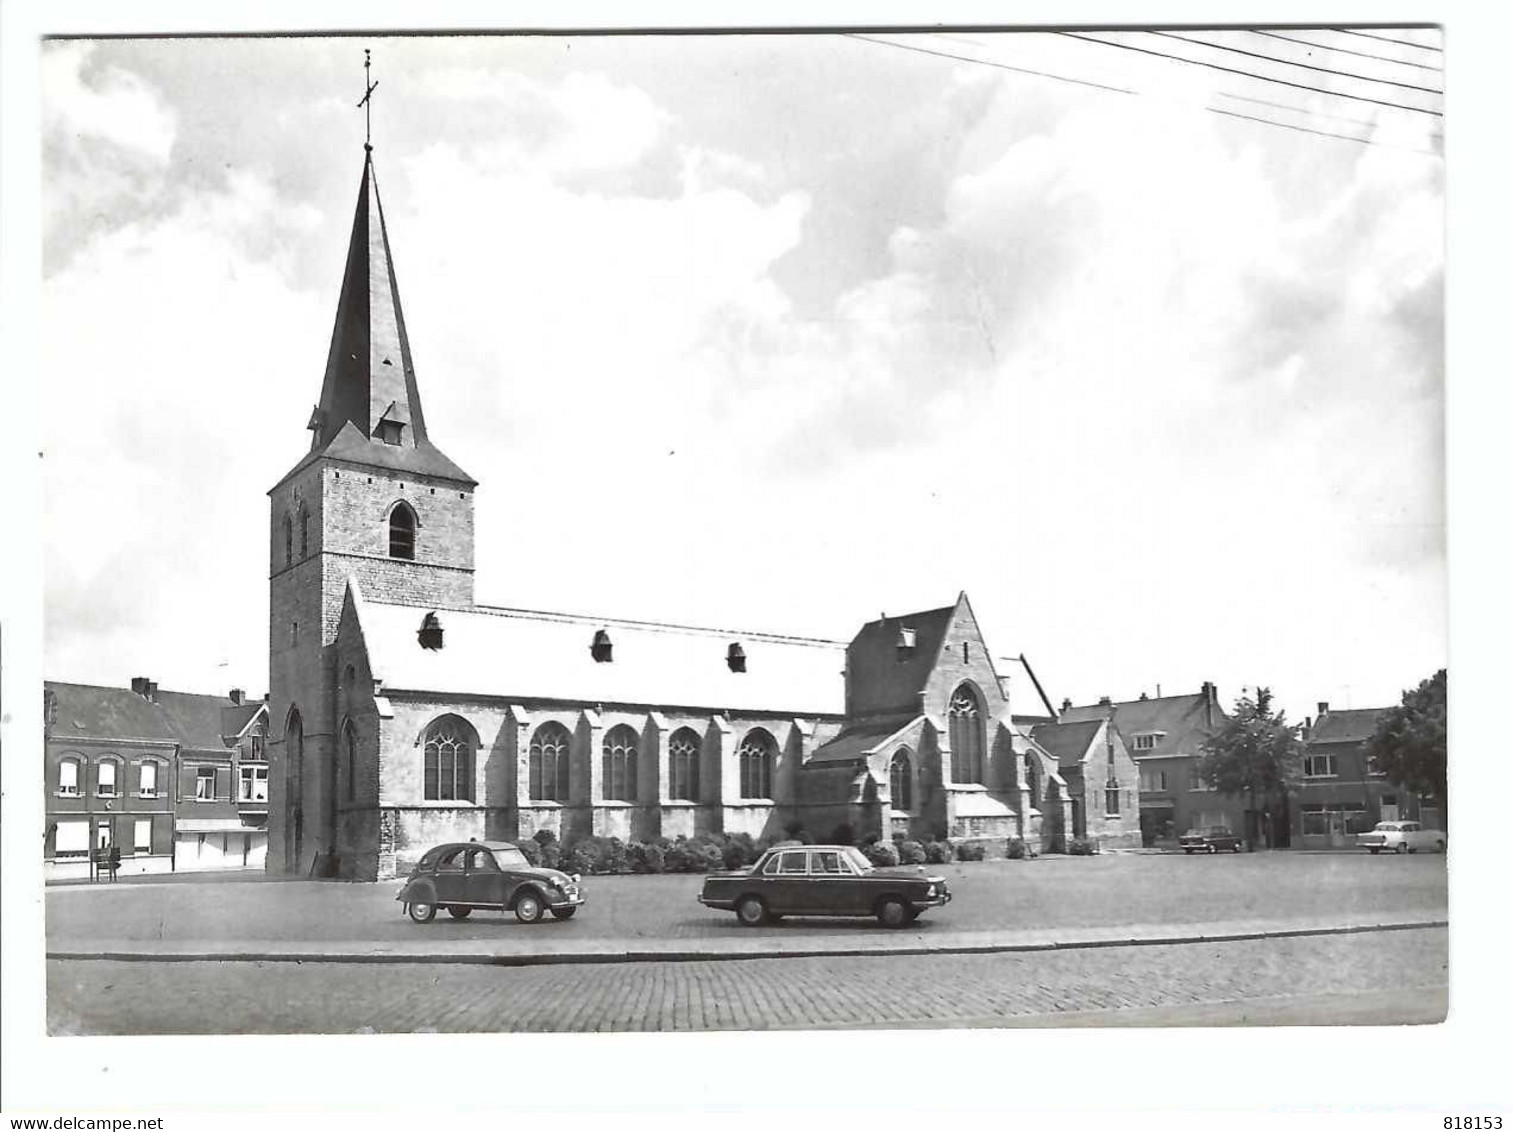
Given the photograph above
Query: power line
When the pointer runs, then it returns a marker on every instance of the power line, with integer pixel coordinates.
(1291, 63)
(1310, 113)
(1347, 51)
(1125, 90)
(1389, 39)
(1249, 74)
(988, 63)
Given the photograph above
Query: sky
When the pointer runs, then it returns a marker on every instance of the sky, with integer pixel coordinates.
(774, 333)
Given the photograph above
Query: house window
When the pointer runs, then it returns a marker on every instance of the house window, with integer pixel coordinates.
(619, 782)
(204, 784)
(255, 751)
(550, 763)
(71, 839)
(967, 741)
(756, 757)
(142, 841)
(683, 766)
(901, 781)
(402, 531)
(68, 777)
(1111, 797)
(1152, 779)
(449, 761)
(105, 785)
(1319, 766)
(252, 786)
(1200, 784)
(1374, 767)
(1145, 742)
(147, 780)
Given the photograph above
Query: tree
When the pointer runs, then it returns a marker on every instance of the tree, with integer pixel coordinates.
(1409, 744)
(1257, 753)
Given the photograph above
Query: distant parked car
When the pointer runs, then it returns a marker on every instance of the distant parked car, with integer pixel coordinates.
(823, 880)
(1402, 837)
(1209, 839)
(494, 875)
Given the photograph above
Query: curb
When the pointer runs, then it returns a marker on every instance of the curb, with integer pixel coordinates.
(708, 956)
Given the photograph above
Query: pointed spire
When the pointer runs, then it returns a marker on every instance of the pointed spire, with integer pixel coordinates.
(370, 402)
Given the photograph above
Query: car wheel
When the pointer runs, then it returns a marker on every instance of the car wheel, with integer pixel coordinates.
(1213, 848)
(459, 911)
(421, 912)
(892, 912)
(528, 908)
(1375, 851)
(1235, 847)
(563, 913)
(1189, 852)
(751, 911)
(1402, 847)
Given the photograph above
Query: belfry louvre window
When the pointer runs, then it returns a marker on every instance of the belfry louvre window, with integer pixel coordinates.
(288, 541)
(901, 781)
(550, 763)
(304, 531)
(449, 761)
(683, 766)
(756, 756)
(402, 532)
(619, 782)
(967, 740)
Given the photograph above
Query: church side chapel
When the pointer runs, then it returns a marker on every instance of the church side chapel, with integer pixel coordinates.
(403, 714)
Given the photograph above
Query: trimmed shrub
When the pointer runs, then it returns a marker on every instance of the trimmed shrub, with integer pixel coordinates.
(543, 837)
(938, 853)
(530, 849)
(739, 851)
(551, 855)
(971, 851)
(645, 857)
(1016, 850)
(612, 856)
(579, 857)
(870, 839)
(694, 855)
(881, 853)
(911, 853)
(1082, 846)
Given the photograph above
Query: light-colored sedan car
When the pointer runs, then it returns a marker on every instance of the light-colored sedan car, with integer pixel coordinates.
(1402, 837)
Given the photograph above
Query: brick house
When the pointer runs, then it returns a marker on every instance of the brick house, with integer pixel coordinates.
(116, 762)
(108, 762)
(1342, 793)
(221, 783)
(402, 713)
(1165, 735)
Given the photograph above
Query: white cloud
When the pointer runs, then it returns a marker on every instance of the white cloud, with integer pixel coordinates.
(117, 106)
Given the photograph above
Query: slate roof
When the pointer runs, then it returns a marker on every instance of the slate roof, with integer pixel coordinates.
(1178, 717)
(187, 719)
(518, 654)
(854, 743)
(1354, 725)
(891, 682)
(1067, 743)
(94, 712)
(370, 374)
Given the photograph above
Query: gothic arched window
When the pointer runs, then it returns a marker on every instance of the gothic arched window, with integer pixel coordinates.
(550, 771)
(901, 780)
(757, 753)
(304, 531)
(620, 764)
(967, 740)
(683, 765)
(1032, 779)
(349, 759)
(288, 541)
(402, 526)
(449, 761)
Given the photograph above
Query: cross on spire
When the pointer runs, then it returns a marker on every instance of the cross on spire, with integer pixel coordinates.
(367, 99)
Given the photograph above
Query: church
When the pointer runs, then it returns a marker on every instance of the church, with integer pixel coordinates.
(403, 714)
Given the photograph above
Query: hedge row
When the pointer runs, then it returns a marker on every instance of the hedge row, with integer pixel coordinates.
(713, 851)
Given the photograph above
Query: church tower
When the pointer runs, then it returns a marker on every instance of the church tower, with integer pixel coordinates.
(373, 500)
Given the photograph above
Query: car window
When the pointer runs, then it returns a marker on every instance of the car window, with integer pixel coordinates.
(770, 867)
(1409, 827)
(451, 858)
(795, 863)
(827, 864)
(481, 860)
(857, 860)
(510, 859)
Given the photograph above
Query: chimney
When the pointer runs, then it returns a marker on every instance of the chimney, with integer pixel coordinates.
(152, 690)
(1066, 703)
(139, 685)
(1104, 701)
(236, 697)
(1210, 701)
(1323, 708)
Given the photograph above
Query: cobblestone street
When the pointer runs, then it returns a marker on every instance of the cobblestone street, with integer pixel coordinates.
(1393, 976)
